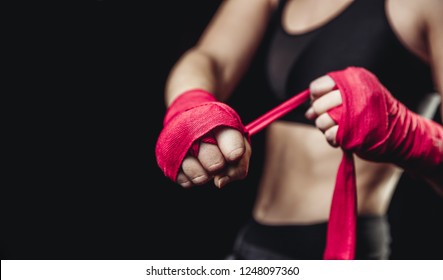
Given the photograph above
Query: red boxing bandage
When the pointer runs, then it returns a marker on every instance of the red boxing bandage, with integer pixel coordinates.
(375, 126)
(189, 118)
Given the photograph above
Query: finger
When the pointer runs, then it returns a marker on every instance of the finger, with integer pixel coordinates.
(184, 181)
(230, 143)
(331, 135)
(211, 157)
(324, 122)
(310, 114)
(321, 86)
(194, 171)
(235, 171)
(326, 102)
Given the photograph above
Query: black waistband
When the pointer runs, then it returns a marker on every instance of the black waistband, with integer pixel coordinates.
(259, 241)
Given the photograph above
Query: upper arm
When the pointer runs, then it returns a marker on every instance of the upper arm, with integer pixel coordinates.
(434, 33)
(233, 35)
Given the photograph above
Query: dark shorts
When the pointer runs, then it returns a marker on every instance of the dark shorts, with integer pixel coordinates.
(256, 241)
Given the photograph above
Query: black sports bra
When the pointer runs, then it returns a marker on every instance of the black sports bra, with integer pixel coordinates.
(359, 36)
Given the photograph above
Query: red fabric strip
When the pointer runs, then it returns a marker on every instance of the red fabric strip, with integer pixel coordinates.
(276, 113)
(341, 233)
(189, 119)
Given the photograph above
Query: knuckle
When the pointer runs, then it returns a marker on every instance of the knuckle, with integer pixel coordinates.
(235, 153)
(237, 173)
(186, 184)
(193, 170)
(215, 165)
(316, 106)
(330, 135)
(336, 92)
(313, 86)
(183, 180)
(321, 84)
(211, 158)
(200, 179)
(188, 160)
(317, 81)
(319, 123)
(336, 95)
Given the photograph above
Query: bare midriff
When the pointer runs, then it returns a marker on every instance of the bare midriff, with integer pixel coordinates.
(299, 177)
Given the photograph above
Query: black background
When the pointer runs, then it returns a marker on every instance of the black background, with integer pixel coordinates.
(86, 94)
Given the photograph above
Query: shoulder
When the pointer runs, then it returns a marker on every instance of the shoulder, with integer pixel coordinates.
(431, 12)
(413, 21)
(426, 12)
(434, 7)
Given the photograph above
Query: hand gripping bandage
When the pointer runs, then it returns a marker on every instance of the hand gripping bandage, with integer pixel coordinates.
(377, 127)
(190, 118)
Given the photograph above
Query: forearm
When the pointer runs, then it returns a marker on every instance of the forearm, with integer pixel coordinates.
(433, 23)
(195, 69)
(430, 166)
(435, 178)
(224, 51)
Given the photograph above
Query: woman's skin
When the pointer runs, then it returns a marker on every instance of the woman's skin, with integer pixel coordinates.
(301, 161)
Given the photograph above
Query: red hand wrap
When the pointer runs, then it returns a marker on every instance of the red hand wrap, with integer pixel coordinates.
(375, 126)
(189, 118)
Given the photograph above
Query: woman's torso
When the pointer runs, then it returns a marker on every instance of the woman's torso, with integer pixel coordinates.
(300, 167)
